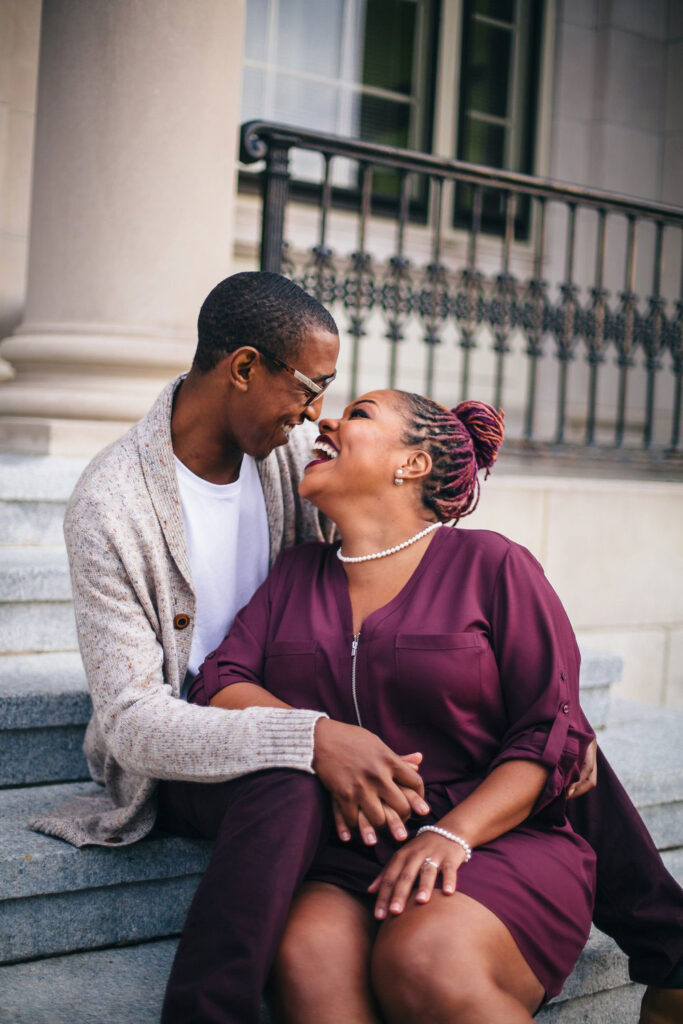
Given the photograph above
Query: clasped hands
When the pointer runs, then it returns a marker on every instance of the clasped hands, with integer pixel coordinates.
(372, 787)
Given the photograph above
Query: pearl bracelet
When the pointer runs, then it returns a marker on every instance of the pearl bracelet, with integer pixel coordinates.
(448, 835)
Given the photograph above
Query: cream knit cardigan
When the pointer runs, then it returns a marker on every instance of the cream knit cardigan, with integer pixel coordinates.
(130, 577)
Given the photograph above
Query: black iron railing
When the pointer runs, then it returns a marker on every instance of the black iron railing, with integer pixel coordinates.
(555, 314)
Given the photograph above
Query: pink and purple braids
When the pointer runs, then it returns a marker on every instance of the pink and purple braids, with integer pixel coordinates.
(460, 441)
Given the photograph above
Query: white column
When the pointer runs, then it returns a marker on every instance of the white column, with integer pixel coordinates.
(132, 211)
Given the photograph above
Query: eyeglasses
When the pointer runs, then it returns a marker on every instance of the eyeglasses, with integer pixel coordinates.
(315, 391)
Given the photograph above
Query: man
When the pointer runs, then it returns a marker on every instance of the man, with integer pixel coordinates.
(169, 532)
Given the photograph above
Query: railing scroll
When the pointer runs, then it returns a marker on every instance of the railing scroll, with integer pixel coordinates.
(616, 346)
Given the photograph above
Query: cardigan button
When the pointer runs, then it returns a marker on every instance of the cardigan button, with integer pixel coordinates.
(565, 709)
(563, 675)
(181, 621)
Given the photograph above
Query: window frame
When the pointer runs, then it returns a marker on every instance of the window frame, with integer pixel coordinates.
(447, 35)
(421, 98)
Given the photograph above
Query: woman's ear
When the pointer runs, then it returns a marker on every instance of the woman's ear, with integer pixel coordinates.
(241, 366)
(417, 466)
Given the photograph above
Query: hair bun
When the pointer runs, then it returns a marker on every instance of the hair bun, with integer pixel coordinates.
(485, 425)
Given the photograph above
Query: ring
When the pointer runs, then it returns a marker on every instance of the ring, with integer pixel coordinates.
(430, 862)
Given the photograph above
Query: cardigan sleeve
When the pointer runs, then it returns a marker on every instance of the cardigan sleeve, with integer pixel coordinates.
(146, 729)
(538, 661)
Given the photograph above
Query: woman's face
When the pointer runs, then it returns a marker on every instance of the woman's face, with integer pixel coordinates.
(357, 456)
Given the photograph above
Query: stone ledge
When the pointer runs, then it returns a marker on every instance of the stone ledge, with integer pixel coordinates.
(94, 918)
(38, 478)
(39, 690)
(35, 626)
(33, 864)
(643, 745)
(31, 522)
(31, 757)
(599, 669)
(34, 574)
(45, 991)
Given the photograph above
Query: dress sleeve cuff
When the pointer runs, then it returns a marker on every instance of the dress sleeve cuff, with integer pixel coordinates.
(560, 750)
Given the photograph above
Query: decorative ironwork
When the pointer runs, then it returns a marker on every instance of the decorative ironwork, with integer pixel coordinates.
(559, 318)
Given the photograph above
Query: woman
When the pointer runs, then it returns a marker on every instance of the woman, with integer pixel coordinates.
(451, 643)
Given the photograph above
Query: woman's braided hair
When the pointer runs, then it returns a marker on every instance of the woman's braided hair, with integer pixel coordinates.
(460, 441)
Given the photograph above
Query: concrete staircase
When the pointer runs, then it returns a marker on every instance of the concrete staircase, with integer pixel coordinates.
(87, 936)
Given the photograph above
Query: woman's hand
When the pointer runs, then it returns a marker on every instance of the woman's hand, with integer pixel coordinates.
(588, 779)
(393, 820)
(425, 857)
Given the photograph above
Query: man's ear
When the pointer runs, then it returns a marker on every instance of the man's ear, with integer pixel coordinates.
(241, 365)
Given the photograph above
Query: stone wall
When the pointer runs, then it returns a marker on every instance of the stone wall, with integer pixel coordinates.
(613, 550)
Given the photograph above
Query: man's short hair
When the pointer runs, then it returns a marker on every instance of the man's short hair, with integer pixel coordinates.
(257, 308)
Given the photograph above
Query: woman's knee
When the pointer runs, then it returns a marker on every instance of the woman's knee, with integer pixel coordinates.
(412, 978)
(305, 960)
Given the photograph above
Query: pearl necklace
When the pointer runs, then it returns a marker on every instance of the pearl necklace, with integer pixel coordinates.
(389, 551)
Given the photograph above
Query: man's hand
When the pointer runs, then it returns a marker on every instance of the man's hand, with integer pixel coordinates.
(370, 785)
(588, 778)
(394, 822)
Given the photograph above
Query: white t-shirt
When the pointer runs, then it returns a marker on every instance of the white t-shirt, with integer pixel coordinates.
(228, 543)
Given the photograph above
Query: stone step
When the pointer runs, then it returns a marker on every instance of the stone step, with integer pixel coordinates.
(56, 899)
(36, 613)
(34, 574)
(142, 891)
(643, 745)
(38, 477)
(127, 984)
(31, 522)
(44, 707)
(33, 494)
(599, 672)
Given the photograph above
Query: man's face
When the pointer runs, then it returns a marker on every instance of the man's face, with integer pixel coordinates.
(276, 401)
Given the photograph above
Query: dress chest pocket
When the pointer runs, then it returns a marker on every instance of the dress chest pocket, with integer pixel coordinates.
(289, 671)
(440, 671)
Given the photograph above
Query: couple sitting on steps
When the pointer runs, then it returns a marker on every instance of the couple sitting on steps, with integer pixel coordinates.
(382, 734)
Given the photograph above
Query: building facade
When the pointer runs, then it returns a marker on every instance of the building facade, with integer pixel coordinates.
(122, 201)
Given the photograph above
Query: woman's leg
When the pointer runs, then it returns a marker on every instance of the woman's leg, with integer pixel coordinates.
(322, 968)
(451, 960)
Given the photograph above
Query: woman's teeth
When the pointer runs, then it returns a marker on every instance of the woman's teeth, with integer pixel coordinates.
(325, 449)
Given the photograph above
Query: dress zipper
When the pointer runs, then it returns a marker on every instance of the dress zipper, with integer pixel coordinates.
(354, 652)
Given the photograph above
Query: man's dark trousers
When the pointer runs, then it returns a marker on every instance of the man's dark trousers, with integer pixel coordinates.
(268, 828)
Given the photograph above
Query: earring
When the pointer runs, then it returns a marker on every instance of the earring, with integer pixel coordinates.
(398, 477)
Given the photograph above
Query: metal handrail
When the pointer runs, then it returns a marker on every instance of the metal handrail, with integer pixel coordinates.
(436, 294)
(258, 137)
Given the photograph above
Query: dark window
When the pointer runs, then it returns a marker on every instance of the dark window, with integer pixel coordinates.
(358, 68)
(499, 80)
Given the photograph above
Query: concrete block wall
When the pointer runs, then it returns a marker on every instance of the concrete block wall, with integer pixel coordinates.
(613, 550)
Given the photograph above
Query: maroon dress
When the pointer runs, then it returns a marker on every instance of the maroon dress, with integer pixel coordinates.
(473, 663)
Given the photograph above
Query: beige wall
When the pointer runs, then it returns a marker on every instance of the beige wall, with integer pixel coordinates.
(131, 214)
(613, 550)
(19, 39)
